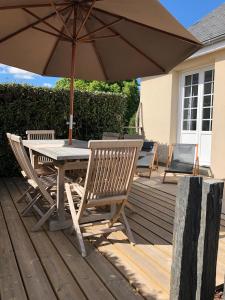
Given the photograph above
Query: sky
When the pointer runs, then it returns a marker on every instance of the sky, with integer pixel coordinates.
(187, 12)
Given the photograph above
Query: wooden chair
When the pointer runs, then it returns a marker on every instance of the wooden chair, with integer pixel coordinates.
(110, 136)
(182, 159)
(150, 160)
(109, 177)
(40, 186)
(40, 135)
(133, 137)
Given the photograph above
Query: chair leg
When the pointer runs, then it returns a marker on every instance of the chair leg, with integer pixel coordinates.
(30, 205)
(117, 213)
(128, 230)
(164, 177)
(24, 195)
(45, 217)
(75, 220)
(150, 173)
(80, 239)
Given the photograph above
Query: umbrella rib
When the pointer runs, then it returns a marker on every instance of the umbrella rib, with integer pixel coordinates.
(60, 18)
(99, 57)
(131, 45)
(44, 22)
(100, 61)
(85, 18)
(30, 6)
(151, 27)
(30, 26)
(61, 37)
(99, 38)
(100, 29)
(56, 44)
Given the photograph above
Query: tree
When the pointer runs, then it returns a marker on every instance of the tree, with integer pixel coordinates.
(128, 87)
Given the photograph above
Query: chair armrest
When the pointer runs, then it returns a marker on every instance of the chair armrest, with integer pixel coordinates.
(76, 187)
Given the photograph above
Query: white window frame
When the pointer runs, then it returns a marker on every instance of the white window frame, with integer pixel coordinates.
(181, 100)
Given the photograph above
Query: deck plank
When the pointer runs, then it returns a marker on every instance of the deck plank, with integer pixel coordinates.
(10, 280)
(64, 284)
(112, 278)
(141, 280)
(85, 276)
(154, 211)
(113, 270)
(34, 277)
(109, 275)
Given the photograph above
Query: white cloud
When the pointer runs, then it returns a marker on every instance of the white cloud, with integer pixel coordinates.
(46, 84)
(17, 73)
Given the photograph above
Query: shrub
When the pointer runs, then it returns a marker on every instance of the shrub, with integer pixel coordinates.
(25, 107)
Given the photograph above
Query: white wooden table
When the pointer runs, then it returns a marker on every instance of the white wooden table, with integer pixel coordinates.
(65, 157)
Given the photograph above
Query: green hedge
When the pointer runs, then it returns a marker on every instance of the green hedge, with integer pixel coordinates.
(25, 107)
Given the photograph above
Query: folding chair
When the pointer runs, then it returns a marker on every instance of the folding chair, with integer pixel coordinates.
(182, 159)
(110, 136)
(109, 177)
(150, 159)
(42, 202)
(40, 135)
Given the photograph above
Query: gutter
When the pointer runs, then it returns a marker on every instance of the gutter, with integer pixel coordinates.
(210, 46)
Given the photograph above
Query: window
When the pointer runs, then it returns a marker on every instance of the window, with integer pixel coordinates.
(207, 107)
(190, 113)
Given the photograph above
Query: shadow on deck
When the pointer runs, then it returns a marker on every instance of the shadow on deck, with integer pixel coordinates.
(47, 265)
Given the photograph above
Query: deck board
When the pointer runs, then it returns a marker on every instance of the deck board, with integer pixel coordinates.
(62, 281)
(47, 265)
(11, 283)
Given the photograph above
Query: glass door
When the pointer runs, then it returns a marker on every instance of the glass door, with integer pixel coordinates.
(197, 111)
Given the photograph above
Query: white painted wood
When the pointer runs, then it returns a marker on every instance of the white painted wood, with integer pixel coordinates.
(208, 49)
(198, 136)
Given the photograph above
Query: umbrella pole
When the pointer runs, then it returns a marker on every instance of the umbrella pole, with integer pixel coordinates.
(72, 92)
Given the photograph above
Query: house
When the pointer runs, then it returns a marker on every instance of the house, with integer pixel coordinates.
(188, 104)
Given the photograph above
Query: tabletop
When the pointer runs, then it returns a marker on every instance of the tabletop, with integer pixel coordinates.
(59, 150)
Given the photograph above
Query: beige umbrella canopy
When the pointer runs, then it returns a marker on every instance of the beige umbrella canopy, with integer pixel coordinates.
(92, 39)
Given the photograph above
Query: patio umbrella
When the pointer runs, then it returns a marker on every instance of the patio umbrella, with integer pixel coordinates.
(92, 39)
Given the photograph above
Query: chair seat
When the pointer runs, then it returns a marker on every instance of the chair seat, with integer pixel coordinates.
(178, 171)
(180, 167)
(145, 161)
(45, 171)
(47, 181)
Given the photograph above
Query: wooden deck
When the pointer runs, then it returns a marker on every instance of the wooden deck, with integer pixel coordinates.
(47, 265)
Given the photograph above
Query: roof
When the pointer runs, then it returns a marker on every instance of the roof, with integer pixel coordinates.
(210, 28)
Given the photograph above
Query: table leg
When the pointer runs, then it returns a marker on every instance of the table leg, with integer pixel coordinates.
(34, 161)
(61, 222)
(60, 193)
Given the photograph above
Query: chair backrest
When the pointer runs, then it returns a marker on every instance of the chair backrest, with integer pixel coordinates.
(133, 137)
(16, 153)
(183, 157)
(17, 144)
(40, 135)
(110, 170)
(148, 146)
(110, 136)
(151, 154)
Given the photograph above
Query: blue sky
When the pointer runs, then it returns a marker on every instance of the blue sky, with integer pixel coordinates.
(187, 12)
